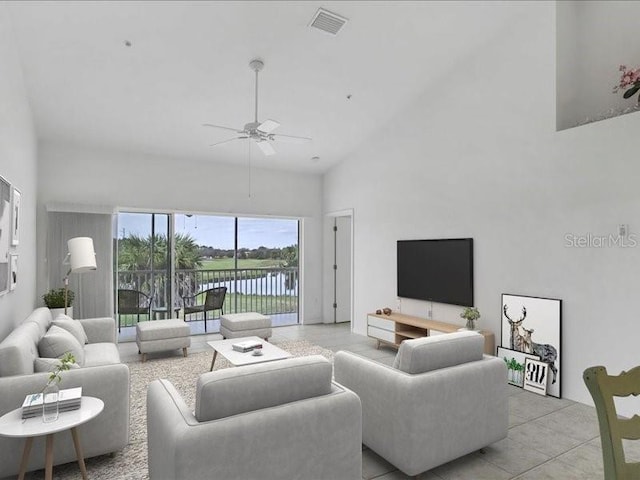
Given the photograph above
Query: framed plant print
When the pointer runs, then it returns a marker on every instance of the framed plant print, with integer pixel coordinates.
(16, 199)
(13, 271)
(515, 364)
(536, 376)
(533, 325)
(5, 234)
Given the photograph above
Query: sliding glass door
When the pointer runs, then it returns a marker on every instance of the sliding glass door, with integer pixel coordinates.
(252, 261)
(143, 259)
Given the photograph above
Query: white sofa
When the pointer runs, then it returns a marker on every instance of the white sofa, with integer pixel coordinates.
(275, 420)
(441, 400)
(101, 375)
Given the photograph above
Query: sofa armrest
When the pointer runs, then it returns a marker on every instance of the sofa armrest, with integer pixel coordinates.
(100, 329)
(315, 438)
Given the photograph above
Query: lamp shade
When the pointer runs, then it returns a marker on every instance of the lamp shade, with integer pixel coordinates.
(82, 256)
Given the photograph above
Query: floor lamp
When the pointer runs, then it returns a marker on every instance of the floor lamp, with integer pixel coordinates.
(81, 258)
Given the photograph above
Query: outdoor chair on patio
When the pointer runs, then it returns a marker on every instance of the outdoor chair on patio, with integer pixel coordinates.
(213, 300)
(133, 302)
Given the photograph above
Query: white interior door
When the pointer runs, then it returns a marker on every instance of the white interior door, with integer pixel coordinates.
(342, 303)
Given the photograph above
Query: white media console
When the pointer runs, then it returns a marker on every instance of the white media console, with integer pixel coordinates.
(393, 329)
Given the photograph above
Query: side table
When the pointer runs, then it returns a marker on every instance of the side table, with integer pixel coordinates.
(12, 425)
(164, 312)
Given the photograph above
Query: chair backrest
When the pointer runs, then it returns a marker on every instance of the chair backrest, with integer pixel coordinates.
(214, 298)
(603, 389)
(132, 301)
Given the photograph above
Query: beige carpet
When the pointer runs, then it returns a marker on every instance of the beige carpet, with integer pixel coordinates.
(131, 462)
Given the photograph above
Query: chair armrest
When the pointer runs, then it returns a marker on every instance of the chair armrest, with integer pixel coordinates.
(100, 329)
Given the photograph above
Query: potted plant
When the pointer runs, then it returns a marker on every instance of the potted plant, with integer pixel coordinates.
(54, 299)
(470, 314)
(51, 389)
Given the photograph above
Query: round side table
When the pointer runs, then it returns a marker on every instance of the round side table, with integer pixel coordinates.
(12, 425)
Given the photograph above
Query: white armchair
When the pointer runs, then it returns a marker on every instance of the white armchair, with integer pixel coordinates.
(442, 399)
(276, 420)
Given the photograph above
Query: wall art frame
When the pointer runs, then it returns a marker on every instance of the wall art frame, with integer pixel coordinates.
(16, 201)
(515, 362)
(534, 325)
(13, 271)
(5, 233)
(536, 376)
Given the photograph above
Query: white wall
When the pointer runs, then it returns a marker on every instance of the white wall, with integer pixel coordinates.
(18, 166)
(593, 39)
(88, 177)
(479, 157)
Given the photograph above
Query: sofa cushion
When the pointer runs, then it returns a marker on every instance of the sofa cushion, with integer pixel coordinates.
(41, 317)
(97, 354)
(74, 327)
(19, 350)
(57, 341)
(432, 353)
(49, 364)
(231, 391)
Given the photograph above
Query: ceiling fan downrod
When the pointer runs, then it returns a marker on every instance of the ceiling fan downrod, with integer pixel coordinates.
(256, 65)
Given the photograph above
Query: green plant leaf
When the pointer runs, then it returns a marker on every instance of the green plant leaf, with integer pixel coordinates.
(632, 91)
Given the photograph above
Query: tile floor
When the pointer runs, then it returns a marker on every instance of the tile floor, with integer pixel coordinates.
(548, 438)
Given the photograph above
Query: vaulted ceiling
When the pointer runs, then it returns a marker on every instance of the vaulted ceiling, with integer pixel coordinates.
(187, 64)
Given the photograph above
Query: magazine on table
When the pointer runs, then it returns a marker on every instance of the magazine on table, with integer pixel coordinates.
(68, 399)
(246, 346)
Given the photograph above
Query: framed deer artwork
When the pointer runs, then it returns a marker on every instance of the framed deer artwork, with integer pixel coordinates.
(533, 325)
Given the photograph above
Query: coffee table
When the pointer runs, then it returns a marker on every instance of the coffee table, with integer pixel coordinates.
(269, 352)
(12, 425)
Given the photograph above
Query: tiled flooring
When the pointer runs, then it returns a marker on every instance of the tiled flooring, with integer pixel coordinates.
(548, 438)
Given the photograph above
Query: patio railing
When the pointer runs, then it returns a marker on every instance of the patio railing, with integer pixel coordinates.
(268, 291)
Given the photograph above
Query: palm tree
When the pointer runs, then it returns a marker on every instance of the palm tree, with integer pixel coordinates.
(135, 253)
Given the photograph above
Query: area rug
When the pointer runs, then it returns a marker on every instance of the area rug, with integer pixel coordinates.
(131, 462)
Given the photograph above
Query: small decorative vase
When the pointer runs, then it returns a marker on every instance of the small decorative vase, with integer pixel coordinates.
(50, 403)
(471, 324)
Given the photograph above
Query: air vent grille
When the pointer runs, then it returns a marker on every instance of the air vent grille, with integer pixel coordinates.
(327, 21)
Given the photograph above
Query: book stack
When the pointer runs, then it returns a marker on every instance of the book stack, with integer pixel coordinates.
(69, 399)
(246, 346)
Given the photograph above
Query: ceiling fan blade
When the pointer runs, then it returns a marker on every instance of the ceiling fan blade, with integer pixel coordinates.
(289, 138)
(268, 126)
(227, 141)
(220, 126)
(266, 147)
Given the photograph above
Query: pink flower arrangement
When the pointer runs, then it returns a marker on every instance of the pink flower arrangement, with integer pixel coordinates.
(630, 79)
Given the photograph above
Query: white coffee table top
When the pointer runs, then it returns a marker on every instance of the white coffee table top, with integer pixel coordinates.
(12, 424)
(269, 351)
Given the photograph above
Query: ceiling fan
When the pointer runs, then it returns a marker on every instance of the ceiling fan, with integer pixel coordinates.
(259, 132)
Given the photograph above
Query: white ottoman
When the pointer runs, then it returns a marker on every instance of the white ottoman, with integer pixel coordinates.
(248, 324)
(160, 335)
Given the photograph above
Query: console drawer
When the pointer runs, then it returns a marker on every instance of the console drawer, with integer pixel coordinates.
(381, 334)
(389, 325)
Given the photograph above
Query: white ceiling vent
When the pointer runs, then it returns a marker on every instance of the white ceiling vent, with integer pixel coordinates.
(327, 21)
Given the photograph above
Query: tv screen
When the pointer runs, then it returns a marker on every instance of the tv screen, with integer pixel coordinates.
(436, 270)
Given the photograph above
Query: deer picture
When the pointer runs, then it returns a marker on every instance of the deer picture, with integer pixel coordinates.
(517, 340)
(546, 352)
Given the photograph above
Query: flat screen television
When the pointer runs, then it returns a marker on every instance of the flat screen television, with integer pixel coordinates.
(436, 270)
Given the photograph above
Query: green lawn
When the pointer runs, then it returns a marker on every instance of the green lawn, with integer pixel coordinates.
(229, 263)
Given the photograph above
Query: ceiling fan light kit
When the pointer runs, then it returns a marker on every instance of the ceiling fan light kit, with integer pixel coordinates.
(259, 132)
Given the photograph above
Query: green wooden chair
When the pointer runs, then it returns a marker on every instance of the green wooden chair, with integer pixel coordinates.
(603, 389)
